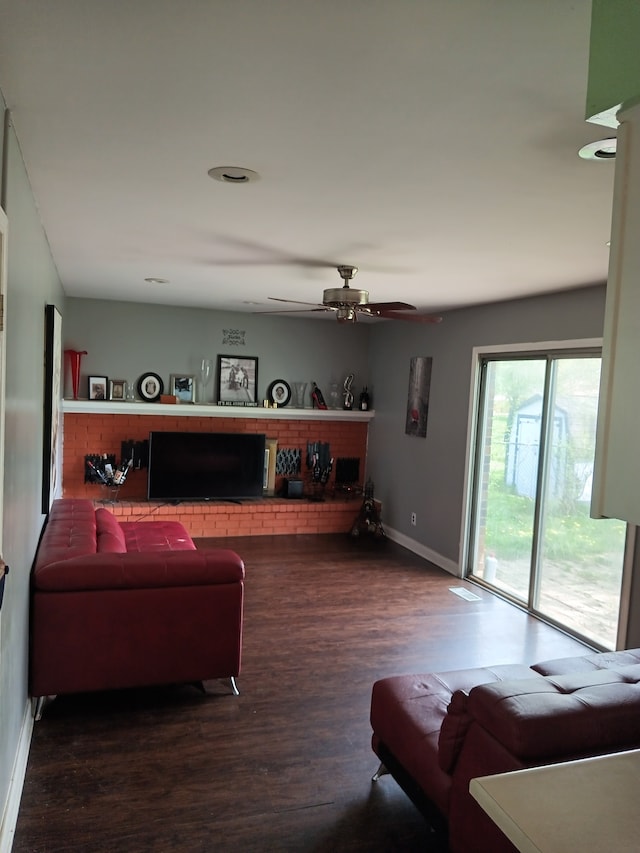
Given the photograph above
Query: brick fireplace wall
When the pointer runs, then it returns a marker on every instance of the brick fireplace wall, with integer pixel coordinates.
(97, 433)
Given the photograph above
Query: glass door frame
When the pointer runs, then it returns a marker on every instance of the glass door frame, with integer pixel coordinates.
(542, 351)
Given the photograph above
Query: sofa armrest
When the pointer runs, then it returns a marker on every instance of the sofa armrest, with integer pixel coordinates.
(140, 570)
(588, 663)
(561, 716)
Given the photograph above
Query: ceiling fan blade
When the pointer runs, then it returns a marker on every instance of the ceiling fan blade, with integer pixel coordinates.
(412, 318)
(391, 306)
(295, 301)
(255, 253)
(294, 310)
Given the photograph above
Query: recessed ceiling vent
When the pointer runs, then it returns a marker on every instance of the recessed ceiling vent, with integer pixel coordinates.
(603, 149)
(233, 174)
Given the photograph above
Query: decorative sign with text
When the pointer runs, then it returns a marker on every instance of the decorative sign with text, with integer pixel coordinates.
(233, 337)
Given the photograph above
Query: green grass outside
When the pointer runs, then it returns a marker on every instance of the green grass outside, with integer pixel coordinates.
(569, 532)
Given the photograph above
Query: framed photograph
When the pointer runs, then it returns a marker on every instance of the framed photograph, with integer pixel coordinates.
(279, 392)
(51, 451)
(237, 378)
(98, 387)
(150, 387)
(183, 387)
(117, 389)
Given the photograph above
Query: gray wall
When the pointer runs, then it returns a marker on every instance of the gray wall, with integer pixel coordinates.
(124, 340)
(32, 283)
(427, 475)
(410, 474)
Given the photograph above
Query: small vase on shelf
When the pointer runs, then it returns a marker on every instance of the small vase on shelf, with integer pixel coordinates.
(75, 357)
(300, 391)
(334, 396)
(206, 371)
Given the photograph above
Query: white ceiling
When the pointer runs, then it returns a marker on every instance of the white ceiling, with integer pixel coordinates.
(431, 143)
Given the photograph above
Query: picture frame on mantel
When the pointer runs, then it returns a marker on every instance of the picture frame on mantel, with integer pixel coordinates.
(183, 387)
(117, 389)
(237, 380)
(97, 386)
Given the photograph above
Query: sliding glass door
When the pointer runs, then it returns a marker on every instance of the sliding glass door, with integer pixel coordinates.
(531, 534)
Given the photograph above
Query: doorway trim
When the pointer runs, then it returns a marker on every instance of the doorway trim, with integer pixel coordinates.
(3, 357)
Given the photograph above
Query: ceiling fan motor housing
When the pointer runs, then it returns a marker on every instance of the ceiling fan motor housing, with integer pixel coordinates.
(345, 296)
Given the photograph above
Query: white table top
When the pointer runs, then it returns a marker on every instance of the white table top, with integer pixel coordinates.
(589, 806)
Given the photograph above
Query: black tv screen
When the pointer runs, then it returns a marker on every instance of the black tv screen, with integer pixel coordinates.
(205, 465)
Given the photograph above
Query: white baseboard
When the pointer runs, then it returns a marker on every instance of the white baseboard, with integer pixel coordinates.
(424, 552)
(12, 804)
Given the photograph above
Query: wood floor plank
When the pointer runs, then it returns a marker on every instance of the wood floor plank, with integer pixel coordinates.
(287, 764)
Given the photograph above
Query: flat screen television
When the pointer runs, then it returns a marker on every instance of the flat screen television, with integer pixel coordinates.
(205, 466)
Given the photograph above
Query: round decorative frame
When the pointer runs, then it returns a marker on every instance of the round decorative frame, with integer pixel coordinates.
(279, 392)
(150, 386)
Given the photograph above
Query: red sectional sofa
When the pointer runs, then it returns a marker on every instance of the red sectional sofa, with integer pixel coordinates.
(129, 604)
(436, 732)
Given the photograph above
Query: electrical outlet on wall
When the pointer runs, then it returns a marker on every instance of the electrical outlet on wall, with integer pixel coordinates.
(413, 519)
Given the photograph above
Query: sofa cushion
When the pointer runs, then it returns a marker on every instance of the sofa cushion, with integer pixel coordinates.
(583, 713)
(109, 534)
(457, 719)
(144, 536)
(407, 713)
(453, 730)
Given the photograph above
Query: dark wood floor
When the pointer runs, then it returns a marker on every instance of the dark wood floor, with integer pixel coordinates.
(287, 765)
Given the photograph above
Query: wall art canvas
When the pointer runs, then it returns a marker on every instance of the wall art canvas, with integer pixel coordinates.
(52, 430)
(418, 396)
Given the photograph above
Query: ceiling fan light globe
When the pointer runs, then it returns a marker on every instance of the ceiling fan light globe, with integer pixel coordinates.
(345, 314)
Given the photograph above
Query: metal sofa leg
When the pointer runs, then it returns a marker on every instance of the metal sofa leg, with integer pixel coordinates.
(41, 701)
(200, 685)
(381, 771)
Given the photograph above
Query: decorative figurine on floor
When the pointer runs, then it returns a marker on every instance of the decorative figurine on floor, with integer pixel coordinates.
(368, 519)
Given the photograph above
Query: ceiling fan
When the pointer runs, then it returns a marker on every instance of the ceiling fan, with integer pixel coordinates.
(348, 302)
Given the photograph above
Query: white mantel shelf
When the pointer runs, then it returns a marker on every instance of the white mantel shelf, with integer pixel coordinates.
(112, 407)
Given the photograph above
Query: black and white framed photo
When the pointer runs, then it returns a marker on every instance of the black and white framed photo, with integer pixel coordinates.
(183, 387)
(237, 379)
(150, 386)
(279, 392)
(98, 387)
(117, 389)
